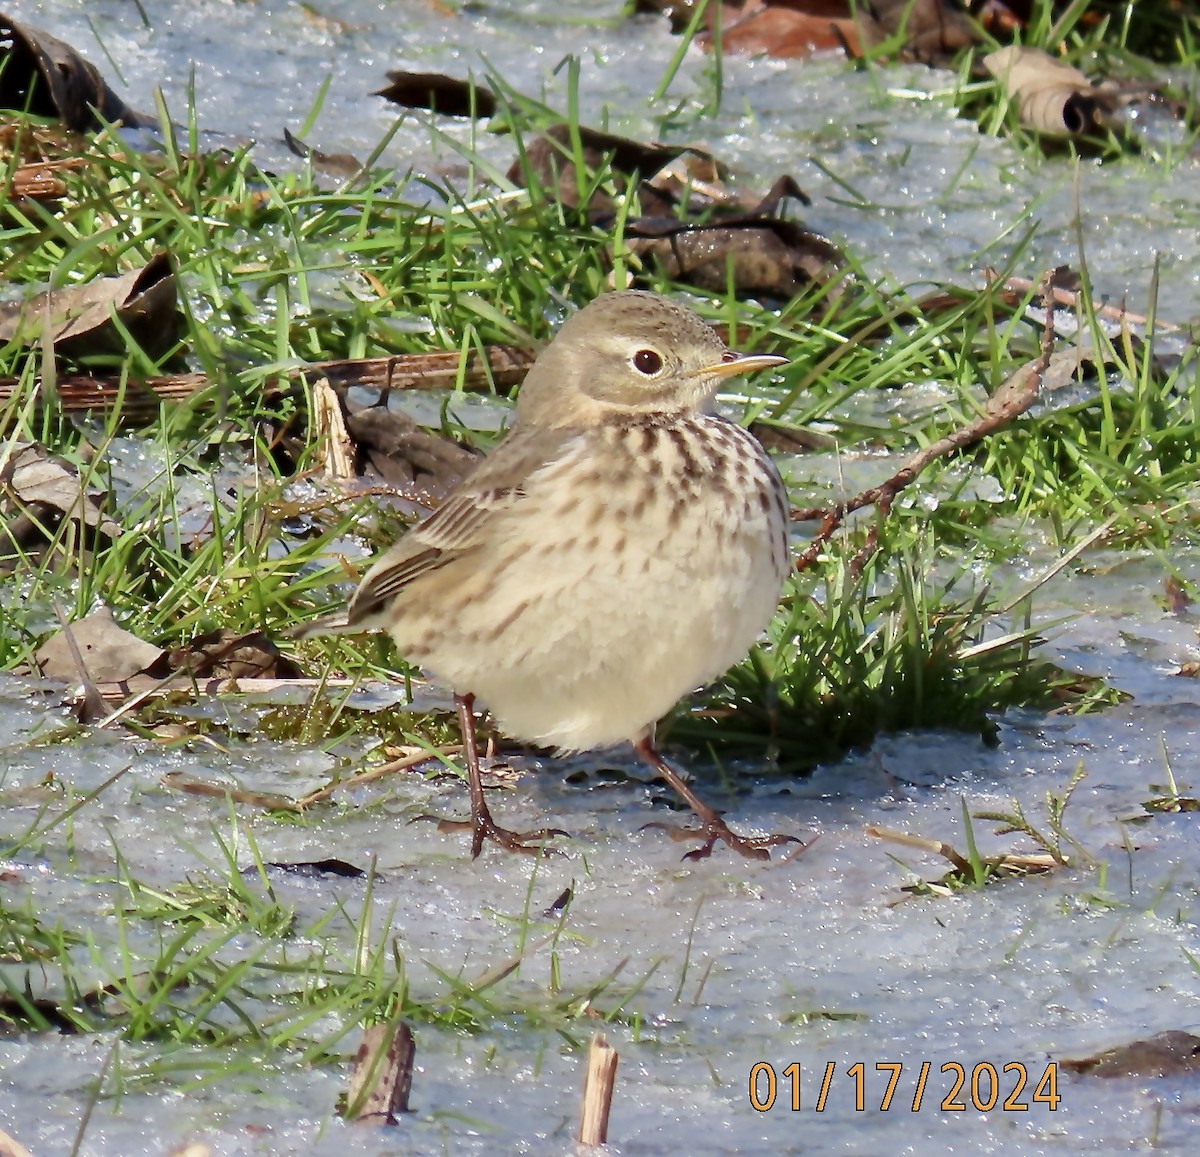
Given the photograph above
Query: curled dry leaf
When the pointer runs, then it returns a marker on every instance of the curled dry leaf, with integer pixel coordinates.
(41, 74)
(1052, 98)
(80, 316)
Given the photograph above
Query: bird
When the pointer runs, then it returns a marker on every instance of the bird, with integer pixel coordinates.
(622, 546)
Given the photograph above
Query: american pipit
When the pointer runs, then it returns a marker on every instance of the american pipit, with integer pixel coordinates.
(621, 547)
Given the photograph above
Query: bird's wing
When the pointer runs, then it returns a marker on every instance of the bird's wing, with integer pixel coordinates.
(497, 484)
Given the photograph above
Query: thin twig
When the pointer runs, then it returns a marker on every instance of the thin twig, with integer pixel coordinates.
(384, 769)
(1009, 402)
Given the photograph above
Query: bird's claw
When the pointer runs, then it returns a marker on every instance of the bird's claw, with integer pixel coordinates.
(751, 847)
(485, 828)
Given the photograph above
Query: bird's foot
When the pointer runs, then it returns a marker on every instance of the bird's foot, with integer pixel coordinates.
(485, 828)
(714, 829)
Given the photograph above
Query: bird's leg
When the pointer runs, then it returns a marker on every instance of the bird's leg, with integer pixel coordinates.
(712, 826)
(482, 826)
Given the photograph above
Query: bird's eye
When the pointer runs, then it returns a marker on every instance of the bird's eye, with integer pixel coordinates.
(647, 362)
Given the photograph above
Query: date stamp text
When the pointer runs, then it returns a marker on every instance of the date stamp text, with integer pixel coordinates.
(953, 1088)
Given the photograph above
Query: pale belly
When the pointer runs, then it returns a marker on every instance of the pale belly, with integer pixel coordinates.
(604, 600)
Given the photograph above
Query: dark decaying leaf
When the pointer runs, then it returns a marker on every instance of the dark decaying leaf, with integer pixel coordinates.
(761, 256)
(1175, 596)
(438, 93)
(40, 73)
(1052, 98)
(224, 654)
(1167, 1054)
(37, 491)
(80, 316)
(393, 447)
(110, 654)
(760, 253)
(314, 868)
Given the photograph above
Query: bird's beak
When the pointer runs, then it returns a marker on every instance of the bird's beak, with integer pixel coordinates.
(733, 365)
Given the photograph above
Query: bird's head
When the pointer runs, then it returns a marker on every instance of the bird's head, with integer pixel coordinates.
(629, 355)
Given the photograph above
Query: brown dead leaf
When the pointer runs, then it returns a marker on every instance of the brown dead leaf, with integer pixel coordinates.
(1052, 98)
(439, 93)
(40, 73)
(933, 30)
(110, 653)
(784, 33)
(225, 654)
(422, 465)
(80, 316)
(37, 491)
(763, 256)
(929, 30)
(1165, 1054)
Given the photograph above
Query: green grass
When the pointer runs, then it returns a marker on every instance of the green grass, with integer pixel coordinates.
(277, 275)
